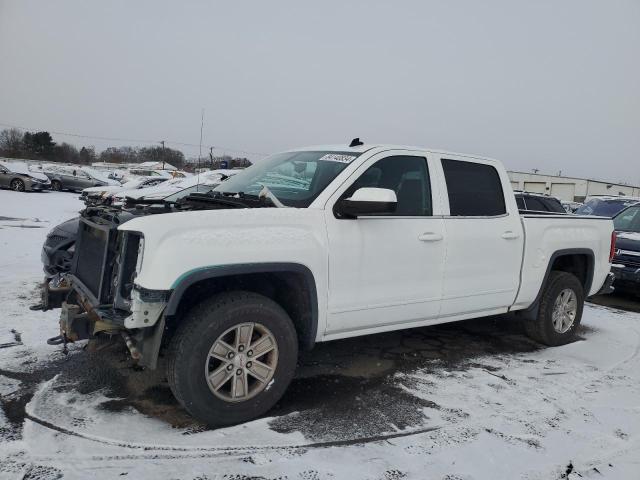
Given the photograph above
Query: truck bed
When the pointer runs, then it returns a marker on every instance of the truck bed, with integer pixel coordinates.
(550, 233)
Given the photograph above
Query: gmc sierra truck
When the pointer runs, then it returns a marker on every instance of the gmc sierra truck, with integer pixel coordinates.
(319, 244)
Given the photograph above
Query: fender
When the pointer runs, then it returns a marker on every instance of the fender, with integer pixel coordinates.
(532, 311)
(187, 279)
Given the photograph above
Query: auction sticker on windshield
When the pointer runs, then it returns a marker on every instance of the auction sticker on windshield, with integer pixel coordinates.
(338, 157)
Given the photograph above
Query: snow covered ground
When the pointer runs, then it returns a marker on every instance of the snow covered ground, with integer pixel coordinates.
(473, 400)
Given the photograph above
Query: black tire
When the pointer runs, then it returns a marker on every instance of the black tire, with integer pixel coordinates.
(189, 352)
(17, 185)
(56, 186)
(541, 329)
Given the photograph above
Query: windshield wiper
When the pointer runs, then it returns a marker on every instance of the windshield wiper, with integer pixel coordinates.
(266, 193)
(215, 198)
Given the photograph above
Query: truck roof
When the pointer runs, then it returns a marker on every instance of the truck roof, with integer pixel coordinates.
(382, 147)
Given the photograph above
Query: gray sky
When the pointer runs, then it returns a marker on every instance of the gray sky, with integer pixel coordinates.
(553, 85)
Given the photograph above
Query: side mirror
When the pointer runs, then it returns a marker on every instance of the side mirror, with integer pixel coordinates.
(367, 202)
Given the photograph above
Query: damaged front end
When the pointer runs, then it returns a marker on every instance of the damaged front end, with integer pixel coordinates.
(103, 300)
(57, 256)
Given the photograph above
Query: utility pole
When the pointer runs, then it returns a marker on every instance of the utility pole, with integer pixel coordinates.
(211, 156)
(162, 142)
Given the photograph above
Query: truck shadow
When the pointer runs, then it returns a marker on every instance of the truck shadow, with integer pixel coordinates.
(349, 388)
(619, 300)
(352, 388)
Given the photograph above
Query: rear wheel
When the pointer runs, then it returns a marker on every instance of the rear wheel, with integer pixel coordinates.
(232, 358)
(559, 312)
(17, 185)
(56, 185)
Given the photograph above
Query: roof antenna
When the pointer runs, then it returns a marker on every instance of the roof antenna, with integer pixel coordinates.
(356, 142)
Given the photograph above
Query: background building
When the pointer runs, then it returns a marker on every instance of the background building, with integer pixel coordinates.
(568, 188)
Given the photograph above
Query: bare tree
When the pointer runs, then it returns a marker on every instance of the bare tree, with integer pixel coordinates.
(11, 143)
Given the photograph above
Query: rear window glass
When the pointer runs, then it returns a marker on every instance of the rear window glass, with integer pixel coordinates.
(604, 208)
(542, 204)
(554, 205)
(474, 189)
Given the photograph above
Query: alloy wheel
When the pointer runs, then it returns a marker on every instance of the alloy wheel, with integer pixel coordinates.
(565, 310)
(17, 186)
(241, 362)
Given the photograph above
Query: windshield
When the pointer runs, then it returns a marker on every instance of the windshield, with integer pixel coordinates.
(295, 178)
(604, 208)
(628, 220)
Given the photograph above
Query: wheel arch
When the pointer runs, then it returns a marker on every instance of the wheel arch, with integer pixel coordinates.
(577, 261)
(13, 179)
(291, 285)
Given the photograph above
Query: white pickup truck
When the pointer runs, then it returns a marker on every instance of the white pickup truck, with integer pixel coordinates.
(320, 244)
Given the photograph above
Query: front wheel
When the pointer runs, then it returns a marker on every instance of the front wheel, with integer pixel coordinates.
(17, 185)
(559, 312)
(232, 358)
(56, 186)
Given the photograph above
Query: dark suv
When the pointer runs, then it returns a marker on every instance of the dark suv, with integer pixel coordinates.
(626, 263)
(536, 202)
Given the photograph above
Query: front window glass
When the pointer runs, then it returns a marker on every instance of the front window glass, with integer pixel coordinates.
(407, 176)
(295, 178)
(628, 220)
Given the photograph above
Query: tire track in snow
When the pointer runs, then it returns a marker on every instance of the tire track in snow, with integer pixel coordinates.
(201, 452)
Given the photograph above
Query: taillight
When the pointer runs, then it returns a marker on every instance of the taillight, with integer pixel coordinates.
(612, 252)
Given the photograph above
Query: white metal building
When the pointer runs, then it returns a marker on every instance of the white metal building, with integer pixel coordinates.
(567, 188)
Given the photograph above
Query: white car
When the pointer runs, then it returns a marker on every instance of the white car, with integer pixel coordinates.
(207, 180)
(324, 243)
(107, 191)
(136, 173)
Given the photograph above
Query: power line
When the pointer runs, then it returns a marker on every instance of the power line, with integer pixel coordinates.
(131, 140)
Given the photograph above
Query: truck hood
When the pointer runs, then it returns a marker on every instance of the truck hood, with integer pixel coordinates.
(176, 244)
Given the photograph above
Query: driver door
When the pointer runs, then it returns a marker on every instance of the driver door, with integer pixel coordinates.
(385, 272)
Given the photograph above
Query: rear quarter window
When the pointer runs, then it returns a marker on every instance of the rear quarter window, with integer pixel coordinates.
(474, 189)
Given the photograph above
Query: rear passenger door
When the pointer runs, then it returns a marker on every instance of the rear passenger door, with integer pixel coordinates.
(483, 241)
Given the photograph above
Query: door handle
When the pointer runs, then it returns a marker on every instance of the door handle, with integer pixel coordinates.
(509, 235)
(429, 237)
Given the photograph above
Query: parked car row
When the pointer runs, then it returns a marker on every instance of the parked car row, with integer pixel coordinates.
(21, 177)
